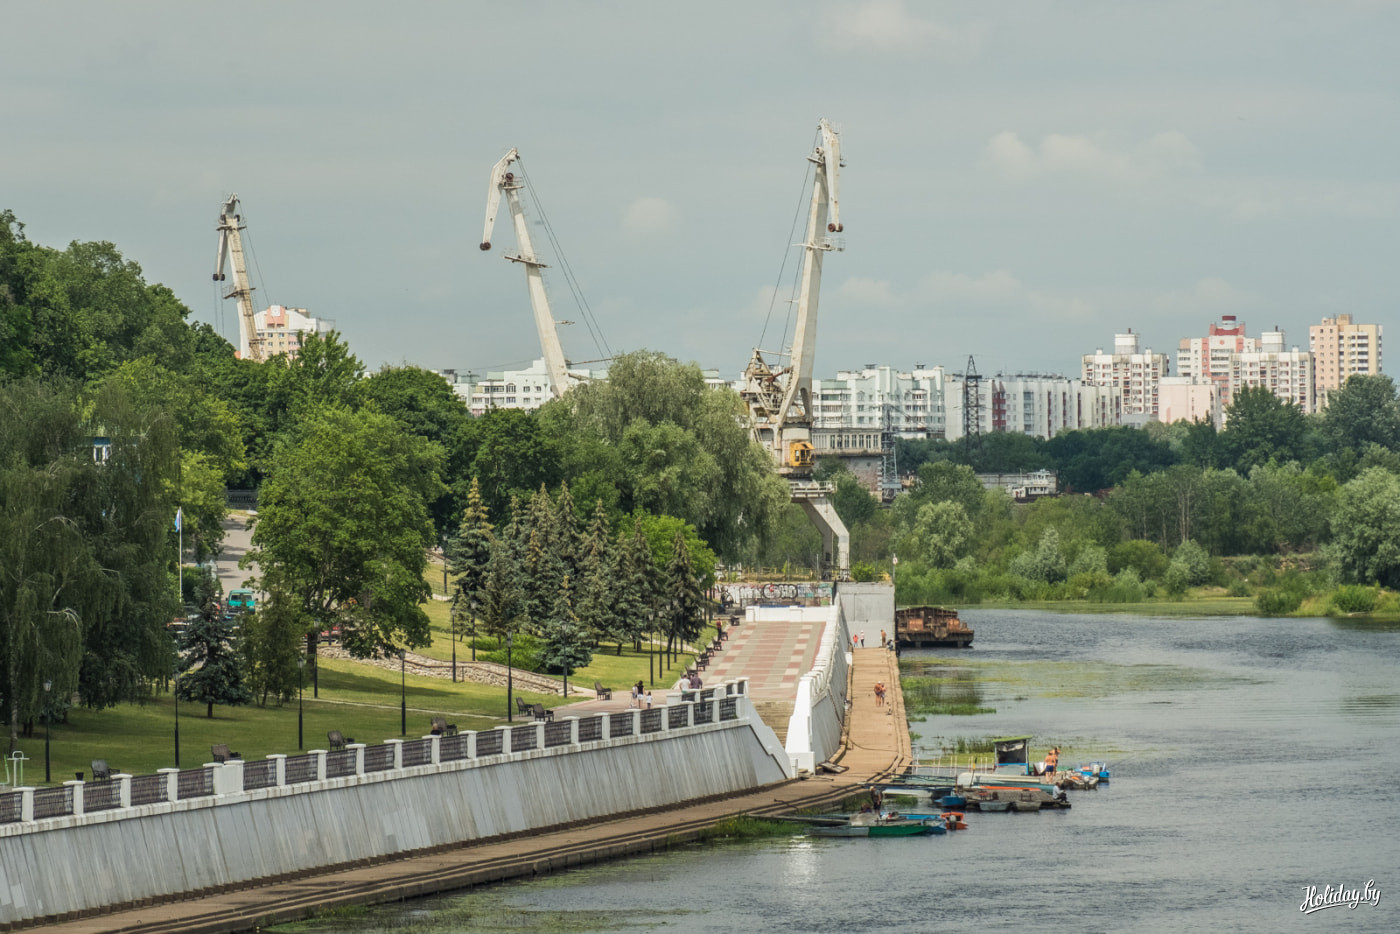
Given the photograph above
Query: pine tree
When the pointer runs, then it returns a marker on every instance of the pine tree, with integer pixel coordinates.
(565, 640)
(501, 600)
(469, 550)
(210, 669)
(595, 607)
(684, 614)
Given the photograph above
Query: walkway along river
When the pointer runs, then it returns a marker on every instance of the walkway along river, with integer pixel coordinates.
(1253, 760)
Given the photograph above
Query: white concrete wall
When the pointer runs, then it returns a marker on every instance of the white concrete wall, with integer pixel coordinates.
(68, 864)
(819, 709)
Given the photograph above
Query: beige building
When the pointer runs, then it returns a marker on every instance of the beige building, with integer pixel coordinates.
(1340, 349)
(1187, 398)
(281, 329)
(1131, 373)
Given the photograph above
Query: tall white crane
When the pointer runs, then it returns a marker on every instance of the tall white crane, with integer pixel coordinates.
(231, 248)
(779, 398)
(503, 180)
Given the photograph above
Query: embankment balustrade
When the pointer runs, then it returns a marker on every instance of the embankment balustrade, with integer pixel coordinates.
(124, 794)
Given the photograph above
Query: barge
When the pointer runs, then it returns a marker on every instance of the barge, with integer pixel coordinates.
(921, 627)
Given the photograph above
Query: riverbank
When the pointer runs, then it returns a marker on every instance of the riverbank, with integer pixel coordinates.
(876, 742)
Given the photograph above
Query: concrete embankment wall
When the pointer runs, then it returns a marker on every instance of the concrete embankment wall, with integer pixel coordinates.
(69, 864)
(819, 706)
(868, 607)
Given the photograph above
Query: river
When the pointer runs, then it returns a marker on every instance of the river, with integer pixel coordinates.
(1252, 759)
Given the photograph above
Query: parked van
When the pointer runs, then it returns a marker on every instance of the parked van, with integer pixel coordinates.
(241, 600)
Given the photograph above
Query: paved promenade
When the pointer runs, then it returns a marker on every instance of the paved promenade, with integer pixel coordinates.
(876, 743)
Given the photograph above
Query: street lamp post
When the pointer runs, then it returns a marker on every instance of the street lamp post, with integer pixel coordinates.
(510, 680)
(177, 717)
(301, 680)
(403, 693)
(48, 726)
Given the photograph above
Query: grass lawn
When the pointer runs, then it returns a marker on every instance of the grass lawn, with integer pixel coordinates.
(359, 700)
(613, 670)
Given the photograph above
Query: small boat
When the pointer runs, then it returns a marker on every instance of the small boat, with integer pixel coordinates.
(1097, 770)
(889, 824)
(993, 805)
(1025, 805)
(951, 801)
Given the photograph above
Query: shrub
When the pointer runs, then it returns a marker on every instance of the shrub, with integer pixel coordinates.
(864, 572)
(1354, 598)
(1238, 588)
(1278, 602)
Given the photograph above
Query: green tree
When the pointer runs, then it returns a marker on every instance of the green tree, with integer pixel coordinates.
(343, 523)
(501, 599)
(1095, 459)
(469, 551)
(271, 647)
(1045, 562)
(210, 670)
(1366, 410)
(941, 534)
(564, 642)
(683, 613)
(1261, 427)
(596, 610)
(1366, 529)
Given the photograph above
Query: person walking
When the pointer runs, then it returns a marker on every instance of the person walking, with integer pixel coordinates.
(862, 638)
(648, 700)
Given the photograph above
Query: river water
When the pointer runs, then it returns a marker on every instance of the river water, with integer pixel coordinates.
(1251, 759)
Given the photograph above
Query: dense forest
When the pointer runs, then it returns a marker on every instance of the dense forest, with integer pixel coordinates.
(116, 411)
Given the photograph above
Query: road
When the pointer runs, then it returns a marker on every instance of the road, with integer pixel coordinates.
(238, 538)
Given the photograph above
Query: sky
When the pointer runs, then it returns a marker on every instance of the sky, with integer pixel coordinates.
(1022, 179)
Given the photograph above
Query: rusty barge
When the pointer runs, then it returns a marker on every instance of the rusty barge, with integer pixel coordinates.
(921, 627)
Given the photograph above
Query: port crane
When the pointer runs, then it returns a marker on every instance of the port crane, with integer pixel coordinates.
(779, 398)
(231, 248)
(504, 180)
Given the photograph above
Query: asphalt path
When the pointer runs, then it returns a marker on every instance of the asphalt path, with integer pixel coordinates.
(238, 539)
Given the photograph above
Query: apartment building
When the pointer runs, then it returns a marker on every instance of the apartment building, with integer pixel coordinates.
(1131, 372)
(1342, 348)
(281, 329)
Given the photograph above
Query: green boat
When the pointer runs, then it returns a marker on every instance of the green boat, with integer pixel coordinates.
(870, 825)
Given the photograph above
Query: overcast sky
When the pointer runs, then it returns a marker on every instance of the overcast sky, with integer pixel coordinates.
(1023, 179)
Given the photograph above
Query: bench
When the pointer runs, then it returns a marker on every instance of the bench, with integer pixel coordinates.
(220, 753)
(101, 771)
(521, 706)
(540, 713)
(602, 692)
(442, 728)
(337, 740)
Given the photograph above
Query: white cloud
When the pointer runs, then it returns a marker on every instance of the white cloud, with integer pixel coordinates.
(885, 26)
(859, 291)
(649, 216)
(1059, 153)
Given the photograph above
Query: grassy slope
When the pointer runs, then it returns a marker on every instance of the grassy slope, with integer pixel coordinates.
(359, 700)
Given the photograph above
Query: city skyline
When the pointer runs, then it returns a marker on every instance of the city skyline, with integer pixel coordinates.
(1022, 183)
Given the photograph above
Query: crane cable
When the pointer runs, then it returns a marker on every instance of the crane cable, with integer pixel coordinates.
(590, 321)
(787, 251)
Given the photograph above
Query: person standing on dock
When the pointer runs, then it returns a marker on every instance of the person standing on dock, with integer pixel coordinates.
(862, 638)
(1052, 759)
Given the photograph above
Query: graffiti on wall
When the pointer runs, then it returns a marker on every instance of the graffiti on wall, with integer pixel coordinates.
(811, 593)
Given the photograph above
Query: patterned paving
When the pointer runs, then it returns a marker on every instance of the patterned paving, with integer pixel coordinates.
(772, 654)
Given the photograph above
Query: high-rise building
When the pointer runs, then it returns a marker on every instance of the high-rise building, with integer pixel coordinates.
(281, 329)
(1034, 404)
(1212, 356)
(1340, 349)
(858, 413)
(1288, 374)
(1130, 372)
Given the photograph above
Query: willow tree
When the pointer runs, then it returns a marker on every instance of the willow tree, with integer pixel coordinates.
(86, 550)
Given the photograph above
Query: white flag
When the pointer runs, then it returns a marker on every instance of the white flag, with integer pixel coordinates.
(179, 517)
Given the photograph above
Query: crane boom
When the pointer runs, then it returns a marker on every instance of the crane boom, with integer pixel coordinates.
(231, 247)
(779, 398)
(503, 180)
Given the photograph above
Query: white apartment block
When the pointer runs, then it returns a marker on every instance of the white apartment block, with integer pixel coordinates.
(861, 402)
(1033, 404)
(281, 329)
(1340, 349)
(1130, 372)
(1288, 374)
(526, 389)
